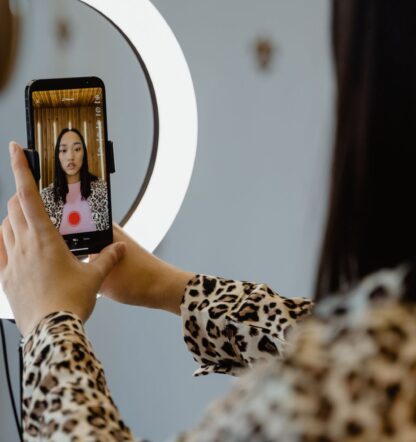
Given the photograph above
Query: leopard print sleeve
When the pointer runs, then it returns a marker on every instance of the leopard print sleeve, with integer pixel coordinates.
(228, 325)
(65, 395)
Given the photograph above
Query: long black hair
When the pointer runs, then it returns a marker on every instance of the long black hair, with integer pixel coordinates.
(60, 183)
(371, 224)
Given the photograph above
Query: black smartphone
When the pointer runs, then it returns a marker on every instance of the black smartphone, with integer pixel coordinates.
(67, 131)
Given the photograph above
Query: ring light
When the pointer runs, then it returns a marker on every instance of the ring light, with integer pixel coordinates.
(175, 115)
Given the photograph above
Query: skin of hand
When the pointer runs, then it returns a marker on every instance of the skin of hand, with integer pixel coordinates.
(37, 271)
(142, 279)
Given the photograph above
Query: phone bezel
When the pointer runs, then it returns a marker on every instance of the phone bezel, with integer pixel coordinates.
(80, 244)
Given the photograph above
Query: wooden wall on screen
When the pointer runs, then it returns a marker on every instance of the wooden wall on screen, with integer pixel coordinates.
(82, 118)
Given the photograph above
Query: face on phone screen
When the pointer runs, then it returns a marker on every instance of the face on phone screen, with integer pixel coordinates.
(69, 135)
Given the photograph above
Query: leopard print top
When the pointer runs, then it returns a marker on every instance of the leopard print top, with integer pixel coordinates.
(348, 373)
(65, 395)
(98, 202)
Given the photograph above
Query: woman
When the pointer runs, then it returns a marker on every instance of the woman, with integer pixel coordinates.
(349, 372)
(76, 201)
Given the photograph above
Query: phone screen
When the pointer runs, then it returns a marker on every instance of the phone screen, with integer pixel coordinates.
(69, 134)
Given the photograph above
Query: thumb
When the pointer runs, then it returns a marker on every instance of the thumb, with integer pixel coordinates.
(104, 262)
(3, 253)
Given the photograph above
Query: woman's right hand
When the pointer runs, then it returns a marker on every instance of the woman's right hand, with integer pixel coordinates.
(37, 271)
(142, 279)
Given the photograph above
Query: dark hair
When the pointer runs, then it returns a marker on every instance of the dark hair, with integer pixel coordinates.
(9, 27)
(370, 223)
(60, 183)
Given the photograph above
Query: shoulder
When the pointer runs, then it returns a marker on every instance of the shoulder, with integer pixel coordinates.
(99, 185)
(357, 350)
(98, 195)
(383, 286)
(360, 322)
(355, 353)
(47, 192)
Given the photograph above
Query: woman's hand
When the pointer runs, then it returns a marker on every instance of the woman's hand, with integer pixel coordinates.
(142, 279)
(38, 272)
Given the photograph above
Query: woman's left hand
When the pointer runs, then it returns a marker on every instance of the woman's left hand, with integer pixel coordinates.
(38, 272)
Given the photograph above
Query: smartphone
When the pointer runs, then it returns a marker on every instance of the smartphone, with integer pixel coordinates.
(67, 128)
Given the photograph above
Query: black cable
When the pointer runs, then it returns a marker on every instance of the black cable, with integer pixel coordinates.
(21, 389)
(9, 383)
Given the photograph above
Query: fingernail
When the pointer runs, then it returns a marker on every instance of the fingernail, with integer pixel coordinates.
(12, 148)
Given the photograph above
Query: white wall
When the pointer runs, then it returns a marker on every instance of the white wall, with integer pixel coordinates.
(256, 201)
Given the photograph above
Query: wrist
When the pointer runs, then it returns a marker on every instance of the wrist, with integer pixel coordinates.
(29, 327)
(171, 290)
(35, 318)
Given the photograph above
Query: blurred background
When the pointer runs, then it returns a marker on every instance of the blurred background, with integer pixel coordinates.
(256, 202)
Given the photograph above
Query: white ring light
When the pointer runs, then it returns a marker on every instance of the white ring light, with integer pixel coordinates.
(160, 53)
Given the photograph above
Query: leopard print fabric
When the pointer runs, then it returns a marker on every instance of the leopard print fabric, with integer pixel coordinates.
(349, 376)
(229, 325)
(98, 202)
(65, 395)
(349, 372)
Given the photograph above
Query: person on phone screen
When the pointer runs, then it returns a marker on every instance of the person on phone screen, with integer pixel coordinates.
(76, 200)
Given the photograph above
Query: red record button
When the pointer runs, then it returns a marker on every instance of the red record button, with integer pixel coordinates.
(74, 218)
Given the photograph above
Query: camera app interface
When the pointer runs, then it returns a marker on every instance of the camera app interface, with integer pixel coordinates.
(70, 140)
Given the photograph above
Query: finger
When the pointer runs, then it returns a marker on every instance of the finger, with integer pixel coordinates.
(92, 257)
(3, 253)
(8, 235)
(16, 216)
(104, 262)
(26, 189)
(118, 236)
